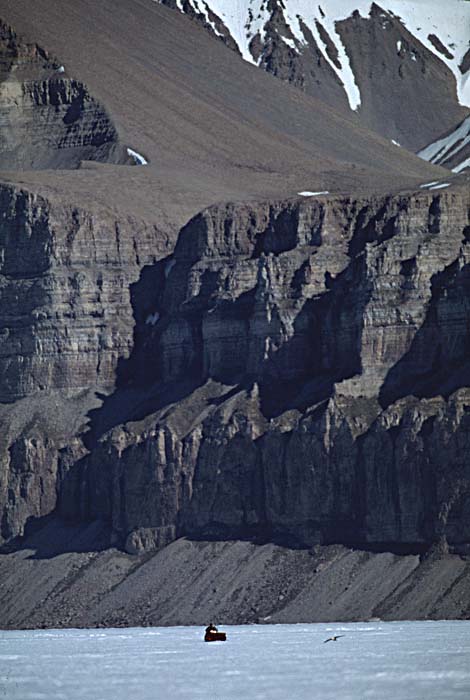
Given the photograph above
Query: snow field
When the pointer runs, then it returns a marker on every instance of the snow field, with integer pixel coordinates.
(386, 660)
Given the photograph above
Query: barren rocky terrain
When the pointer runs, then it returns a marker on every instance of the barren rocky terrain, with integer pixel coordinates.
(234, 353)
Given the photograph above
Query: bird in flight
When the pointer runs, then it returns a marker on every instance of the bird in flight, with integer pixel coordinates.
(333, 639)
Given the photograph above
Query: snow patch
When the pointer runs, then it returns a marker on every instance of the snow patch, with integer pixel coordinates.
(464, 164)
(137, 157)
(152, 319)
(308, 13)
(395, 143)
(244, 19)
(440, 186)
(449, 146)
(307, 193)
(428, 184)
(61, 69)
(289, 42)
(449, 21)
(398, 46)
(203, 8)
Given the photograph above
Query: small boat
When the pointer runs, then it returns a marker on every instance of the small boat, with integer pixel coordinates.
(215, 637)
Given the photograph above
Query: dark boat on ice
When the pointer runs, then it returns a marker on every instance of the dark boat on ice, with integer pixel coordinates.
(215, 637)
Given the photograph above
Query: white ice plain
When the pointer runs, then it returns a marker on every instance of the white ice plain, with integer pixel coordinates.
(390, 661)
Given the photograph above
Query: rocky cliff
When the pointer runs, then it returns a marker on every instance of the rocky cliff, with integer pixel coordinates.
(255, 447)
(67, 321)
(192, 349)
(298, 373)
(49, 120)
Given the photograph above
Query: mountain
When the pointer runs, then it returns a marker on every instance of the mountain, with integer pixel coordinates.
(233, 315)
(401, 66)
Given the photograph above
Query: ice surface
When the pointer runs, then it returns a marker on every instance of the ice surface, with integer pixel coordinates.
(390, 661)
(307, 193)
(140, 159)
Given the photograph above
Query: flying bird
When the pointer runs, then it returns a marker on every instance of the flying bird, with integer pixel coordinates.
(333, 639)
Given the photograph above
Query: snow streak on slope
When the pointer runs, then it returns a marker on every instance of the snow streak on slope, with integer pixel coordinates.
(451, 149)
(448, 21)
(313, 15)
(139, 160)
(462, 166)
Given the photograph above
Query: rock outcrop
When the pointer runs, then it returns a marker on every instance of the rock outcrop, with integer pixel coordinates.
(49, 120)
(298, 371)
(67, 321)
(299, 374)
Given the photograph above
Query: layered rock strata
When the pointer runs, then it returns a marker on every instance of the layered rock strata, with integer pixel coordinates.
(297, 371)
(67, 321)
(299, 374)
(48, 119)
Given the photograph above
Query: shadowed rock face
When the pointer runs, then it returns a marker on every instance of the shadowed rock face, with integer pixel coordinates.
(278, 385)
(65, 287)
(297, 371)
(48, 119)
(67, 320)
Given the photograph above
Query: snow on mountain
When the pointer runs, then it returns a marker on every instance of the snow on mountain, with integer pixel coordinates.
(452, 150)
(443, 28)
(138, 159)
(462, 166)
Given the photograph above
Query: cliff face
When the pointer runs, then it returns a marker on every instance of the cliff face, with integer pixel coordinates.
(48, 119)
(67, 321)
(299, 373)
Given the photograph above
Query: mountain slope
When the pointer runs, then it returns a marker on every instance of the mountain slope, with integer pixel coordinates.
(195, 112)
(379, 56)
